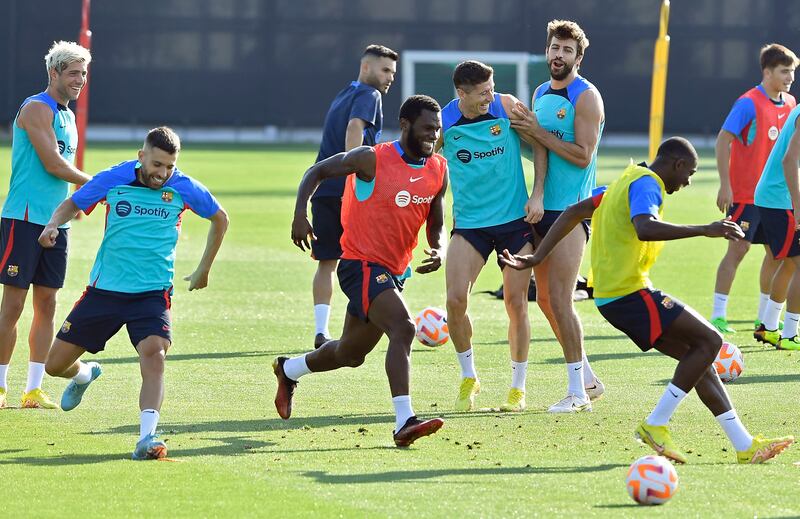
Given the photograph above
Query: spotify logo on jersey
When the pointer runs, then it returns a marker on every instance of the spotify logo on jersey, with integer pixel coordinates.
(464, 156)
(123, 208)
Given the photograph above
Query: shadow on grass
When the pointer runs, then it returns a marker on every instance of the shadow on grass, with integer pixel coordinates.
(416, 475)
(630, 505)
(748, 379)
(550, 339)
(600, 357)
(230, 446)
(197, 356)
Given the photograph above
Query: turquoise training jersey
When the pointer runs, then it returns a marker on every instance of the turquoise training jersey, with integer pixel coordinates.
(771, 190)
(485, 167)
(142, 226)
(34, 193)
(565, 183)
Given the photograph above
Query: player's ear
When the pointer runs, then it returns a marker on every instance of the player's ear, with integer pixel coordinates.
(141, 156)
(404, 124)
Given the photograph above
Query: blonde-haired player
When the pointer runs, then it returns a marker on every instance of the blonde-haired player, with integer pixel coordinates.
(45, 139)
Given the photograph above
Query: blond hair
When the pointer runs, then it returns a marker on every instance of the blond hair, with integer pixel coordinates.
(64, 53)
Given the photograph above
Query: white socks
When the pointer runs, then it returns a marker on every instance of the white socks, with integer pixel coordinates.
(772, 315)
(3, 376)
(588, 374)
(84, 375)
(467, 361)
(402, 411)
(518, 372)
(296, 367)
(720, 305)
(666, 406)
(575, 378)
(322, 314)
(735, 431)
(35, 376)
(763, 299)
(790, 321)
(148, 421)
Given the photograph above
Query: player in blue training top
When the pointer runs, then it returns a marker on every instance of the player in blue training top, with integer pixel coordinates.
(42, 156)
(131, 280)
(568, 120)
(355, 118)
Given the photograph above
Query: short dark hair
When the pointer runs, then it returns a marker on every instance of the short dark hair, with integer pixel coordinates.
(163, 138)
(775, 54)
(567, 30)
(471, 73)
(677, 148)
(414, 105)
(380, 51)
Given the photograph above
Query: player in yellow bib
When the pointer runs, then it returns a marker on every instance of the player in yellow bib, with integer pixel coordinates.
(627, 236)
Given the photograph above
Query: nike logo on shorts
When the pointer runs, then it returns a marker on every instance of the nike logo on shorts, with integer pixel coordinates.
(414, 179)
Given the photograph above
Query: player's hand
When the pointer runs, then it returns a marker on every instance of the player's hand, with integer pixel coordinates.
(724, 229)
(516, 261)
(197, 280)
(431, 263)
(525, 121)
(48, 237)
(534, 209)
(724, 198)
(302, 233)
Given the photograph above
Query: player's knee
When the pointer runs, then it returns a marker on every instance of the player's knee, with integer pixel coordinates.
(352, 360)
(52, 369)
(402, 332)
(517, 305)
(710, 345)
(456, 303)
(11, 310)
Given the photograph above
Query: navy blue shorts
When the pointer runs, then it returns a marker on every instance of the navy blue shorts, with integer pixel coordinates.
(643, 316)
(99, 314)
(549, 218)
(749, 219)
(361, 282)
(779, 229)
(326, 219)
(25, 262)
(512, 236)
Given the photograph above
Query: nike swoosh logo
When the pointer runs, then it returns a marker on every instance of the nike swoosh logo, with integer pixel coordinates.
(579, 367)
(781, 116)
(414, 179)
(457, 137)
(122, 192)
(673, 394)
(470, 355)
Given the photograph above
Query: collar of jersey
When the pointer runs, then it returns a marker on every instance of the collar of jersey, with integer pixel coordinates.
(413, 163)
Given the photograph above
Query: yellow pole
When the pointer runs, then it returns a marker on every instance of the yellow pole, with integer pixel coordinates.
(659, 88)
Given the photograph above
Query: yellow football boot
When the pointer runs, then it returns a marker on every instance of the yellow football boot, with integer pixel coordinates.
(660, 440)
(466, 393)
(763, 449)
(37, 399)
(515, 401)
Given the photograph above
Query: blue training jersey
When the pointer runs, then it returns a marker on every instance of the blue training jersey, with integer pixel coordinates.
(356, 101)
(33, 193)
(142, 226)
(485, 167)
(772, 191)
(565, 183)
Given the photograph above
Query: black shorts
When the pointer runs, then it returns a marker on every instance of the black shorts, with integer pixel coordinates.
(643, 316)
(749, 219)
(779, 229)
(99, 314)
(512, 236)
(362, 281)
(549, 218)
(326, 219)
(25, 262)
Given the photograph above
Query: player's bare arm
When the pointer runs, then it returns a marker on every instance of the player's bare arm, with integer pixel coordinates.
(354, 134)
(360, 161)
(65, 212)
(435, 231)
(588, 116)
(568, 220)
(650, 228)
(790, 171)
(722, 150)
(37, 120)
(216, 232)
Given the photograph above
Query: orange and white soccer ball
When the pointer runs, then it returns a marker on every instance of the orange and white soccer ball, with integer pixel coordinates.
(432, 327)
(729, 363)
(652, 480)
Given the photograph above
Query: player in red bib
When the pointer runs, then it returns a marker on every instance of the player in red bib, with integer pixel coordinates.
(743, 145)
(392, 189)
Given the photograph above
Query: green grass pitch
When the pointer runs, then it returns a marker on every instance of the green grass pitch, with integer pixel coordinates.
(234, 457)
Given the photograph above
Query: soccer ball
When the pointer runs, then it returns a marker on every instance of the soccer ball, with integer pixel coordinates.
(729, 363)
(432, 327)
(652, 480)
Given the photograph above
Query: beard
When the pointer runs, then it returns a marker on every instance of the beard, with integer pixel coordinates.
(566, 70)
(414, 146)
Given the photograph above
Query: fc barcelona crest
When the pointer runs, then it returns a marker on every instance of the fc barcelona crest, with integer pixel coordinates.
(562, 112)
(745, 226)
(381, 278)
(166, 196)
(66, 326)
(495, 130)
(13, 270)
(668, 303)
